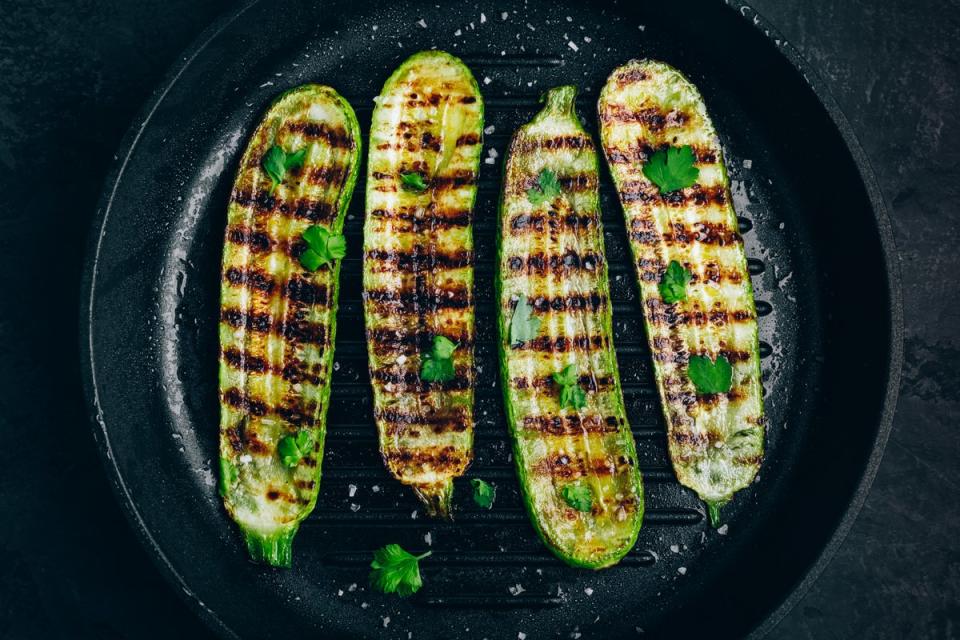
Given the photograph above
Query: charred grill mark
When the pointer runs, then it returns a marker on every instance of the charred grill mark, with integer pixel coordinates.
(572, 425)
(575, 183)
(430, 218)
(296, 289)
(648, 193)
(256, 241)
(406, 423)
(263, 203)
(640, 152)
(653, 118)
(454, 180)
(590, 383)
(295, 331)
(651, 270)
(711, 399)
(327, 175)
(526, 223)
(293, 372)
(563, 466)
(660, 314)
(300, 416)
(558, 264)
(643, 231)
(415, 261)
(630, 76)
(563, 344)
(436, 458)
(336, 137)
(533, 144)
(417, 302)
(468, 139)
(577, 302)
(393, 341)
(438, 427)
(410, 381)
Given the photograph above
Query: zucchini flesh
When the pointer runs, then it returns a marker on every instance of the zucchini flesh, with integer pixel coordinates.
(277, 321)
(716, 440)
(418, 269)
(553, 253)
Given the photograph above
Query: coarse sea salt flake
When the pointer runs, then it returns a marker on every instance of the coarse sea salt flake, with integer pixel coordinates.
(422, 23)
(573, 46)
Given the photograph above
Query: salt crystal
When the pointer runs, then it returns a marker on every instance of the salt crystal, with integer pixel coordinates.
(489, 129)
(723, 530)
(483, 18)
(573, 46)
(352, 587)
(531, 27)
(487, 80)
(674, 548)
(354, 507)
(489, 160)
(587, 39)
(588, 591)
(503, 16)
(458, 32)
(569, 19)
(375, 488)
(422, 23)
(351, 490)
(428, 538)
(364, 605)
(682, 571)
(340, 592)
(386, 621)
(492, 152)
(747, 164)
(516, 590)
(521, 636)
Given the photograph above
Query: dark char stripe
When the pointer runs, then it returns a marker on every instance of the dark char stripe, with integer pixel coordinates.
(295, 331)
(415, 301)
(254, 406)
(337, 137)
(570, 183)
(416, 261)
(430, 219)
(662, 314)
(639, 154)
(563, 466)
(389, 341)
(563, 344)
(453, 181)
(572, 425)
(264, 203)
(526, 223)
(643, 231)
(410, 380)
(437, 458)
(649, 193)
(296, 289)
(592, 302)
(655, 119)
(651, 270)
(529, 144)
(256, 241)
(541, 264)
(589, 383)
(292, 372)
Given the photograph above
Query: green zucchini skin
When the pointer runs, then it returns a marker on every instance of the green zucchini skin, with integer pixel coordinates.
(418, 269)
(278, 320)
(715, 441)
(553, 253)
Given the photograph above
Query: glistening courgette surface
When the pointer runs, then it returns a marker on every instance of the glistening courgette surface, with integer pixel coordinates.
(277, 319)
(425, 144)
(551, 253)
(715, 439)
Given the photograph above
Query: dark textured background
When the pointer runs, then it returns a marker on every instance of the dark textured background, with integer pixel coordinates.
(74, 73)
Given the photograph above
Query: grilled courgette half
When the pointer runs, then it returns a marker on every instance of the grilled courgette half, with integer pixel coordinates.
(277, 317)
(650, 113)
(425, 144)
(574, 450)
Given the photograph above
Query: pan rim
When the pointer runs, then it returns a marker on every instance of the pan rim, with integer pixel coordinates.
(809, 75)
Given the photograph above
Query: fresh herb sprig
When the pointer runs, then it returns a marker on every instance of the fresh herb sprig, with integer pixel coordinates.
(484, 493)
(276, 162)
(323, 247)
(578, 495)
(523, 324)
(572, 394)
(438, 363)
(673, 284)
(395, 570)
(672, 169)
(546, 190)
(292, 449)
(413, 181)
(710, 376)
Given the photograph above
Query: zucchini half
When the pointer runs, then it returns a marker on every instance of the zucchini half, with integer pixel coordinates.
(552, 253)
(715, 440)
(277, 319)
(425, 142)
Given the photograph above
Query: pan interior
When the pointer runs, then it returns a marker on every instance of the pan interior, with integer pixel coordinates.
(818, 271)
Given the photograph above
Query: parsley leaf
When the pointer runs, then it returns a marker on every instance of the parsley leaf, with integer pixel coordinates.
(523, 324)
(484, 493)
(672, 168)
(323, 247)
(292, 449)
(710, 376)
(572, 394)
(413, 181)
(276, 162)
(578, 495)
(228, 476)
(438, 364)
(548, 188)
(673, 284)
(395, 570)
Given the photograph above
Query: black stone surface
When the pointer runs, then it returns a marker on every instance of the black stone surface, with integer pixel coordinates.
(72, 76)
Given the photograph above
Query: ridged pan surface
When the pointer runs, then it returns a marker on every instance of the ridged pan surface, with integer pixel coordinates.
(810, 216)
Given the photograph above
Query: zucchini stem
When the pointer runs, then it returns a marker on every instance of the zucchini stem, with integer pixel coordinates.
(438, 498)
(274, 549)
(713, 510)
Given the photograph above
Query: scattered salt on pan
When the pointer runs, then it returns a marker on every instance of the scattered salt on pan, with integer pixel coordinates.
(531, 27)
(675, 548)
(723, 530)
(748, 163)
(352, 587)
(516, 589)
(587, 39)
(364, 605)
(351, 490)
(375, 488)
(354, 507)
(386, 621)
(573, 46)
(340, 592)
(489, 160)
(642, 27)
(588, 591)
(503, 16)
(483, 18)
(489, 130)
(487, 80)
(682, 571)
(413, 516)
(422, 23)
(375, 27)
(428, 538)
(492, 152)
(458, 32)
(521, 636)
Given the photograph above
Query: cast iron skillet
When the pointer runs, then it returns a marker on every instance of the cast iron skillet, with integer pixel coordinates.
(827, 290)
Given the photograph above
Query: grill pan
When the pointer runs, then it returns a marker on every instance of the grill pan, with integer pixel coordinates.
(827, 293)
